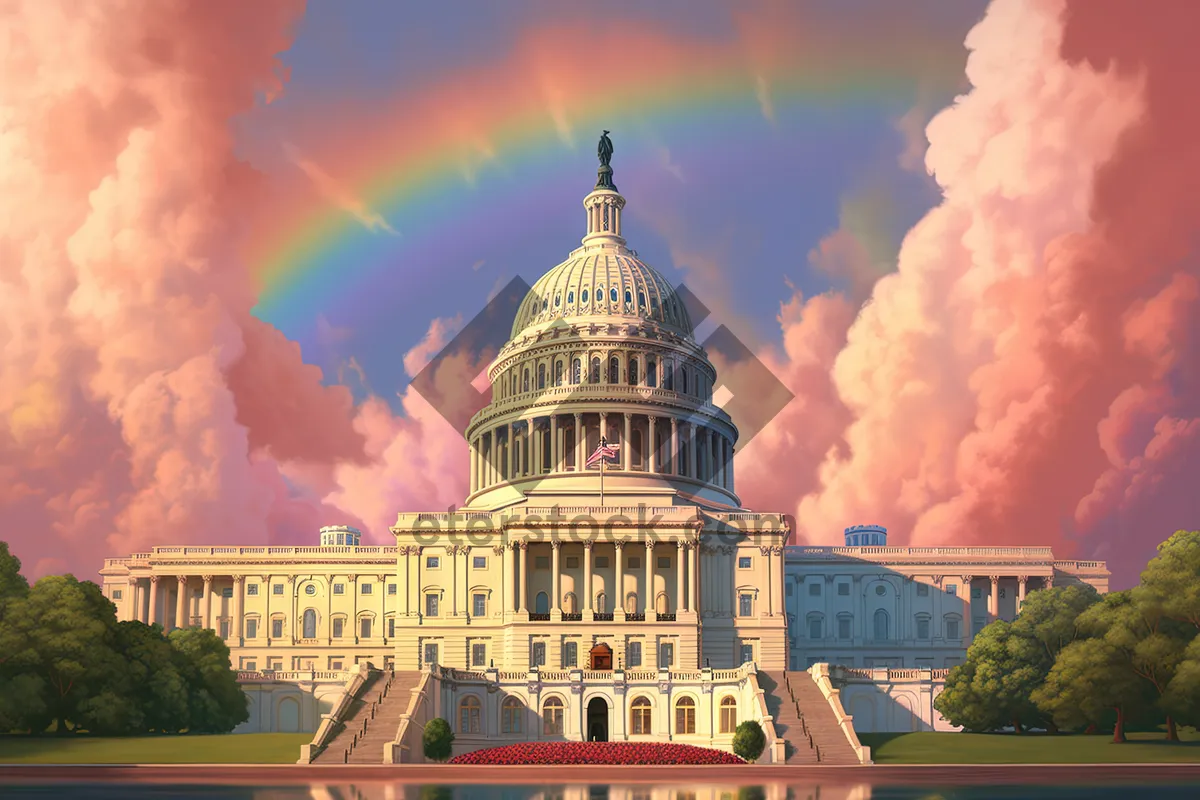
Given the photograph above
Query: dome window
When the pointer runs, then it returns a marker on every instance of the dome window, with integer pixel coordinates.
(570, 297)
(558, 373)
(641, 299)
(545, 304)
(576, 367)
(541, 379)
(583, 297)
(612, 294)
(557, 300)
(651, 372)
(594, 372)
(628, 297)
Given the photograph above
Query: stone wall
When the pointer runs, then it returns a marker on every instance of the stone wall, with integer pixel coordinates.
(891, 700)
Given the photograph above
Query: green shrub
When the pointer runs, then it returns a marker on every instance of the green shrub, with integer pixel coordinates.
(749, 740)
(437, 739)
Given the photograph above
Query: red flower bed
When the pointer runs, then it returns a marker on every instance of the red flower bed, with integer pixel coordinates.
(597, 753)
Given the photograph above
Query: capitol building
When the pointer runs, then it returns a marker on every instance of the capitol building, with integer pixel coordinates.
(602, 579)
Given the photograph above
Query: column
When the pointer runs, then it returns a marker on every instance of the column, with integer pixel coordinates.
(579, 443)
(694, 557)
(555, 547)
(994, 599)
(648, 606)
(523, 578)
(181, 609)
(208, 590)
(236, 628)
(627, 456)
(710, 456)
(693, 440)
(512, 451)
(153, 615)
(674, 446)
(1022, 580)
(680, 588)
(555, 447)
(652, 445)
(452, 557)
(587, 580)
(507, 598)
(535, 446)
(619, 589)
(766, 554)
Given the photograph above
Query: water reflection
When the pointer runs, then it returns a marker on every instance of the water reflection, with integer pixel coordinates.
(770, 791)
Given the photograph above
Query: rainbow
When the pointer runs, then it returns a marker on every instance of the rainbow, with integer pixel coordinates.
(485, 126)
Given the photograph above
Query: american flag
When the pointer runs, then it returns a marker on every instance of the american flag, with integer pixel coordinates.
(604, 452)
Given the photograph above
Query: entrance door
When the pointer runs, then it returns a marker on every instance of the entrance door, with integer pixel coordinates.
(597, 720)
(600, 657)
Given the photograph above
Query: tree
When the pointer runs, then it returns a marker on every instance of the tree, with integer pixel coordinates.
(1090, 677)
(1174, 577)
(13, 585)
(749, 740)
(1050, 615)
(1183, 692)
(1134, 624)
(992, 688)
(215, 702)
(437, 739)
(157, 689)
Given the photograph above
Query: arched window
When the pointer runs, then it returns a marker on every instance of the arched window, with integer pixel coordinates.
(685, 715)
(640, 716)
(601, 603)
(552, 717)
(728, 720)
(614, 370)
(514, 382)
(510, 715)
(669, 376)
(583, 297)
(631, 371)
(662, 605)
(571, 297)
(576, 368)
(641, 299)
(816, 626)
(612, 294)
(631, 603)
(525, 380)
(881, 626)
(628, 297)
(651, 372)
(470, 714)
(545, 303)
(594, 372)
(569, 603)
(541, 603)
(541, 376)
(310, 624)
(557, 300)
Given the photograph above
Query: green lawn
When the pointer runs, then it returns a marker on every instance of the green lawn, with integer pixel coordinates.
(1007, 748)
(234, 748)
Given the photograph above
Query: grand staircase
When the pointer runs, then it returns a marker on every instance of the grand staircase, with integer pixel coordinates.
(372, 719)
(804, 720)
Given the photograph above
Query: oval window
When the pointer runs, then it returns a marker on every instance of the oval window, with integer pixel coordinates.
(545, 304)
(583, 297)
(879, 590)
(570, 297)
(310, 589)
(612, 294)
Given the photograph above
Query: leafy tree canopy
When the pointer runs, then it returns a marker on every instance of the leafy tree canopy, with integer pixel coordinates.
(1173, 576)
(1091, 678)
(992, 688)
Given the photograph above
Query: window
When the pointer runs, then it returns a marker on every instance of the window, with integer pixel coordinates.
(666, 655)
(569, 603)
(224, 626)
(747, 653)
(541, 373)
(651, 373)
(843, 590)
(552, 717)
(952, 628)
(628, 297)
(728, 718)
(685, 715)
(952, 590)
(881, 625)
(277, 628)
(880, 590)
(631, 371)
(431, 653)
(310, 589)
(252, 589)
(391, 627)
(814, 589)
(479, 605)
(976, 593)
(251, 665)
(601, 602)
(640, 716)
(541, 562)
(631, 603)
(479, 562)
(364, 628)
(844, 627)
(275, 589)
(570, 654)
(583, 296)
(251, 628)
(478, 654)
(594, 371)
(339, 588)
(391, 589)
(366, 588)
(117, 594)
(339, 624)
(538, 658)
(432, 562)
(641, 299)
(922, 590)
(664, 562)
(571, 296)
(633, 655)
(743, 562)
(541, 603)
(816, 627)
(572, 562)
(469, 713)
(612, 294)
(745, 605)
(922, 627)
(309, 624)
(614, 369)
(576, 368)
(635, 562)
(510, 715)
(431, 605)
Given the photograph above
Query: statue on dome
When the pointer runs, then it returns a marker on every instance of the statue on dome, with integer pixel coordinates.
(605, 149)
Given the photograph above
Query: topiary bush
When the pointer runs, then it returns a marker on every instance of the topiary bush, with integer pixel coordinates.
(749, 740)
(437, 739)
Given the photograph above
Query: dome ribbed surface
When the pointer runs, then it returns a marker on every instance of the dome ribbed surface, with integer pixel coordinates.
(611, 284)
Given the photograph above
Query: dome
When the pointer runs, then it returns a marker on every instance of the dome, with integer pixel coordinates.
(604, 284)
